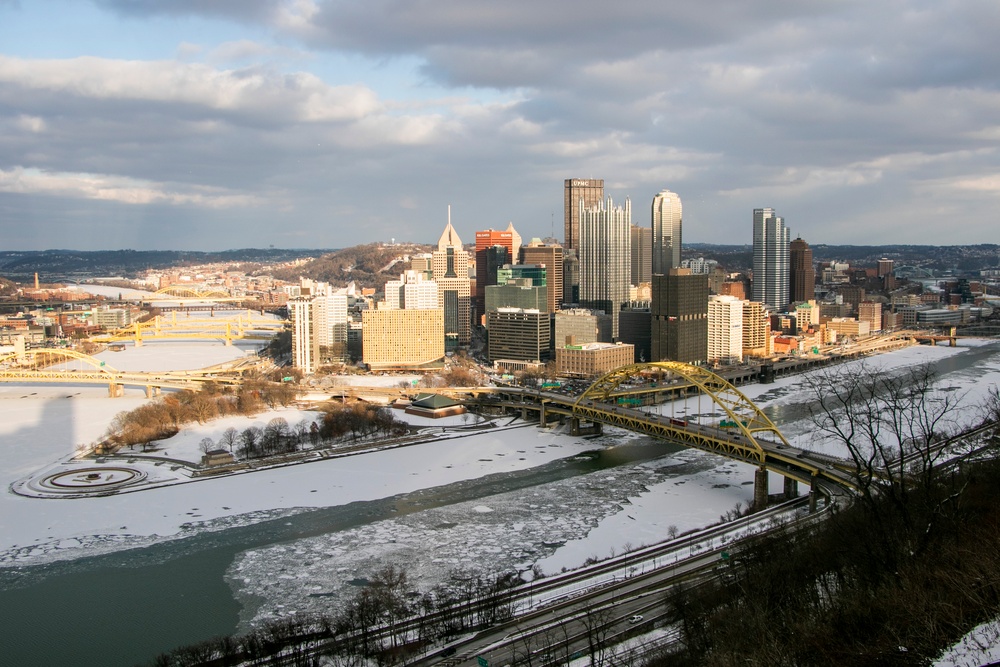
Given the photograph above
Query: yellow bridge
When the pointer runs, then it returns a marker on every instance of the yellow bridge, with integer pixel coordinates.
(245, 326)
(49, 365)
(187, 294)
(738, 430)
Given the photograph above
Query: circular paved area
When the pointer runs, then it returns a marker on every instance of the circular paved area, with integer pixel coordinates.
(84, 480)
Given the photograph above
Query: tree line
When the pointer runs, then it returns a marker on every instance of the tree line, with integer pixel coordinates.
(892, 579)
(164, 417)
(371, 628)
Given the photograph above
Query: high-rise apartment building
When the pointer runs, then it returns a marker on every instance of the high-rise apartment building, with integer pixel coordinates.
(679, 313)
(642, 254)
(666, 217)
(770, 258)
(756, 330)
(802, 275)
(305, 345)
(589, 191)
(725, 329)
(450, 264)
(412, 291)
(319, 325)
(551, 257)
(605, 257)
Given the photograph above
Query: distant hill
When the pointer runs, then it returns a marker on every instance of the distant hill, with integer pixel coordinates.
(63, 265)
(958, 258)
(369, 265)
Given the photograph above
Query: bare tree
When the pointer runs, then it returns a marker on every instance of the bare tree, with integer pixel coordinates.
(229, 438)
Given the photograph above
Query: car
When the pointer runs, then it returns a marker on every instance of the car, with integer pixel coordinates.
(635, 618)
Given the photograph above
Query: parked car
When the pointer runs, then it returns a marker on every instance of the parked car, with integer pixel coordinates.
(635, 618)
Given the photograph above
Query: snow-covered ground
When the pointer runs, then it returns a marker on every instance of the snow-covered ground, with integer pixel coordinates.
(554, 525)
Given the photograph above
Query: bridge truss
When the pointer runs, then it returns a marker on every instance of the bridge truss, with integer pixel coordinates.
(244, 326)
(71, 367)
(746, 421)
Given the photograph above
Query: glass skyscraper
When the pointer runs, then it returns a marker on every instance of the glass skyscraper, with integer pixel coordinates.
(771, 261)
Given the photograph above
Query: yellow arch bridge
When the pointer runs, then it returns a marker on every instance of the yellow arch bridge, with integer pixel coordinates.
(736, 429)
(184, 294)
(245, 326)
(51, 365)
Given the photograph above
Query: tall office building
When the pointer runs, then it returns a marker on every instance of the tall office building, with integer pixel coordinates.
(666, 217)
(517, 334)
(605, 257)
(770, 258)
(571, 277)
(590, 191)
(679, 313)
(549, 255)
(802, 275)
(642, 254)
(494, 248)
(450, 264)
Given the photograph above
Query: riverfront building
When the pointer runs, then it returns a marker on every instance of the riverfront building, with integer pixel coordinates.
(679, 312)
(592, 359)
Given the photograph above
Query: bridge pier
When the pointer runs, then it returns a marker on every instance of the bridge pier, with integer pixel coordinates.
(541, 415)
(152, 391)
(595, 428)
(759, 489)
(116, 390)
(791, 488)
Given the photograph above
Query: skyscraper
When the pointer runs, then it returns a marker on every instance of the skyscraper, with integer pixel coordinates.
(666, 217)
(802, 275)
(605, 257)
(450, 263)
(679, 313)
(642, 254)
(770, 258)
(551, 256)
(589, 191)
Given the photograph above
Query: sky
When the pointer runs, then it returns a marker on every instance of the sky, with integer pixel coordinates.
(215, 124)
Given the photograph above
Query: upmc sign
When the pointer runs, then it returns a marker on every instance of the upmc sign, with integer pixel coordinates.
(587, 184)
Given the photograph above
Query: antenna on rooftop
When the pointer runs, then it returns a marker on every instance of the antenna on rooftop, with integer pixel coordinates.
(449, 214)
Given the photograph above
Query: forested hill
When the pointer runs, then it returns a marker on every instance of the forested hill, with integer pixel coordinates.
(368, 265)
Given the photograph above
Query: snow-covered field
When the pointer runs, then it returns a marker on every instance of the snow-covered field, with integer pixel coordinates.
(556, 525)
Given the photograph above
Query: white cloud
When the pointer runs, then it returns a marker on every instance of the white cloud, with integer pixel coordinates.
(30, 123)
(114, 188)
(298, 96)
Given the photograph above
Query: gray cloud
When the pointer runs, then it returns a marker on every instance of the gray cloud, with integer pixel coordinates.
(860, 121)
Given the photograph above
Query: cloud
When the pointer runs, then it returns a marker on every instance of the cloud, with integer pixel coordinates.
(254, 91)
(842, 114)
(114, 189)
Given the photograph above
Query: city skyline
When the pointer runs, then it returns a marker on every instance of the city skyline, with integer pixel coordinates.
(319, 124)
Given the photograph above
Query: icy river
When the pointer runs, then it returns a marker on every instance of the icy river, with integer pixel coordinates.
(117, 580)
